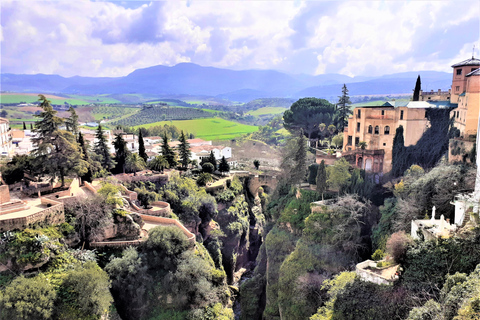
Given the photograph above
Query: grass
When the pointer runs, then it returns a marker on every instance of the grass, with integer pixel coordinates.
(95, 99)
(32, 97)
(104, 112)
(209, 128)
(267, 110)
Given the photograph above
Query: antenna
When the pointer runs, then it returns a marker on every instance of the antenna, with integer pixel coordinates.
(473, 52)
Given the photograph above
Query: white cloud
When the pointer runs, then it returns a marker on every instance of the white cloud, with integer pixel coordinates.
(91, 38)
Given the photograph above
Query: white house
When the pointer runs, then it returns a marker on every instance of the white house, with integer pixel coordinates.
(6, 148)
(203, 151)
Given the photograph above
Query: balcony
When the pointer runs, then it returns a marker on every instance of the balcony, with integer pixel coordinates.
(379, 117)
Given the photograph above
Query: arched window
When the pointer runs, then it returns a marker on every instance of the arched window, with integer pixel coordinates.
(370, 129)
(387, 130)
(377, 130)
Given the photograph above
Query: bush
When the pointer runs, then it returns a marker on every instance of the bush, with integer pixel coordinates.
(207, 167)
(378, 255)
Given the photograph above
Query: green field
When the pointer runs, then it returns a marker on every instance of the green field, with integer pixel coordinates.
(210, 128)
(267, 110)
(111, 112)
(103, 98)
(29, 98)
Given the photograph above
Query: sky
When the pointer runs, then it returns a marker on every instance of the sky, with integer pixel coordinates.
(354, 38)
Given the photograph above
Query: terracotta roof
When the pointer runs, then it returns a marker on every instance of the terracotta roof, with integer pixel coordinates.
(206, 147)
(197, 141)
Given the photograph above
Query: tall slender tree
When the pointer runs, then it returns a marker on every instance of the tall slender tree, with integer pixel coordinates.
(418, 87)
(101, 148)
(56, 152)
(321, 178)
(141, 147)
(223, 166)
(121, 153)
(24, 126)
(84, 147)
(343, 109)
(184, 150)
(168, 152)
(72, 122)
(212, 160)
(398, 152)
(294, 162)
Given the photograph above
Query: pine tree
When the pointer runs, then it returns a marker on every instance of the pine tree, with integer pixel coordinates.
(294, 162)
(31, 126)
(416, 92)
(168, 152)
(321, 178)
(223, 166)
(121, 153)
(343, 110)
(56, 152)
(101, 148)
(141, 147)
(398, 152)
(72, 122)
(184, 150)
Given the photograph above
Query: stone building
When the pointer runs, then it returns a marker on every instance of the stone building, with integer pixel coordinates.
(6, 148)
(466, 114)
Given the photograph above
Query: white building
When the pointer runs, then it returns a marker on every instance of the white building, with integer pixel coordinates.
(203, 151)
(6, 148)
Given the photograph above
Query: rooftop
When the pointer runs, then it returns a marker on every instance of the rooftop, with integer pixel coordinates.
(469, 62)
(418, 104)
(474, 73)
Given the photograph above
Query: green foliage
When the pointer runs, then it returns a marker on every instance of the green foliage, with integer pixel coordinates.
(378, 255)
(359, 183)
(306, 114)
(335, 287)
(223, 166)
(294, 160)
(112, 194)
(184, 150)
(141, 147)
(207, 167)
(102, 149)
(14, 170)
(28, 298)
(165, 244)
(385, 227)
(146, 197)
(365, 300)
(338, 174)
(85, 293)
(134, 162)
(343, 109)
(321, 179)
(256, 164)
(297, 210)
(312, 173)
(168, 152)
(121, 153)
(204, 178)
(427, 263)
(159, 163)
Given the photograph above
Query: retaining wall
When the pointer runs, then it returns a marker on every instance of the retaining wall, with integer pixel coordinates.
(169, 221)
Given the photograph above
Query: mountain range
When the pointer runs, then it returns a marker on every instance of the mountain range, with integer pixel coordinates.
(241, 86)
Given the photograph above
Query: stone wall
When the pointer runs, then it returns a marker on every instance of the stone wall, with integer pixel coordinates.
(169, 221)
(4, 194)
(365, 274)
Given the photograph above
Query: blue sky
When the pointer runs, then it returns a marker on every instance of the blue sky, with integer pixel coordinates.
(355, 38)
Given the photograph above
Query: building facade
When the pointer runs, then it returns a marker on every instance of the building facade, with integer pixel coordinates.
(466, 114)
(6, 148)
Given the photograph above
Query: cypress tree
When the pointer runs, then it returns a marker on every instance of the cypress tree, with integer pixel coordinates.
(72, 122)
(416, 92)
(184, 150)
(343, 110)
(141, 147)
(321, 178)
(223, 166)
(212, 160)
(101, 148)
(31, 126)
(398, 152)
(121, 153)
(83, 146)
(24, 126)
(168, 152)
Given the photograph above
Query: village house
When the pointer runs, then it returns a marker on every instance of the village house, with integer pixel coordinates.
(6, 148)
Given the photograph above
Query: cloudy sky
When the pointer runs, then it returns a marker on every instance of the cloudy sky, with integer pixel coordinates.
(100, 38)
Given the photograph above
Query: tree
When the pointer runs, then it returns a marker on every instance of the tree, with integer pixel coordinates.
(321, 178)
(84, 147)
(27, 298)
(72, 122)
(86, 292)
(184, 150)
(338, 174)
(294, 162)
(24, 126)
(343, 110)
(307, 114)
(31, 126)
(168, 152)
(416, 92)
(3, 114)
(101, 148)
(134, 163)
(141, 147)
(337, 140)
(121, 152)
(398, 149)
(56, 151)
(15, 169)
(256, 164)
(159, 163)
(397, 245)
(223, 165)
(212, 160)
(204, 178)
(145, 196)
(207, 167)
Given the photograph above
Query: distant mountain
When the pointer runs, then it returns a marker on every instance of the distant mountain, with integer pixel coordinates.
(242, 86)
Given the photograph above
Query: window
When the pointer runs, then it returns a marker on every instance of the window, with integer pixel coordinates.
(387, 130)
(458, 114)
(377, 130)
(457, 88)
(459, 72)
(359, 113)
(349, 140)
(370, 129)
(401, 115)
(383, 112)
(473, 69)
(358, 126)
(357, 141)
(384, 144)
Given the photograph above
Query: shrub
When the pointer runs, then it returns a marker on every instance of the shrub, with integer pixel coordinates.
(378, 255)
(207, 167)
